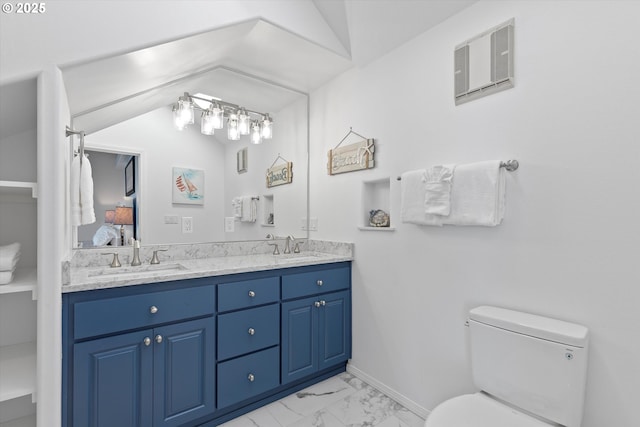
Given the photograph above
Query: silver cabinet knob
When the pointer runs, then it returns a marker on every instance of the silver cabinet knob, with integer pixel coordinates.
(251, 377)
(319, 282)
(252, 294)
(147, 341)
(158, 339)
(323, 303)
(251, 331)
(153, 309)
(317, 304)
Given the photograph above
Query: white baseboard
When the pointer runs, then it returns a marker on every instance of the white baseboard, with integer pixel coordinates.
(393, 394)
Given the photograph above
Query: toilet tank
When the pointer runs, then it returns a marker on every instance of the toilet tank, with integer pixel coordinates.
(532, 362)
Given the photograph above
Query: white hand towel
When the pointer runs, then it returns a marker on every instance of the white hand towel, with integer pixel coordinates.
(81, 192)
(237, 207)
(412, 209)
(477, 194)
(9, 256)
(438, 189)
(6, 277)
(249, 210)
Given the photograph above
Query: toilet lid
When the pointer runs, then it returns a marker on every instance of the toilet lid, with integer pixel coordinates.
(479, 410)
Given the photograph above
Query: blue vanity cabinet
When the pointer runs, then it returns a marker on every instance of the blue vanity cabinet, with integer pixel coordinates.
(316, 330)
(160, 374)
(200, 352)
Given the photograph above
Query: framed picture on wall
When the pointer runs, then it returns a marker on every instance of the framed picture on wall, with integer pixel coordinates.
(130, 177)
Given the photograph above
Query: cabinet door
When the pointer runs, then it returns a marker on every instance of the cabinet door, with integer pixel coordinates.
(299, 339)
(112, 380)
(184, 372)
(334, 328)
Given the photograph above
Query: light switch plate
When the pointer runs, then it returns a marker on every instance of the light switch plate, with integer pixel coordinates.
(229, 224)
(171, 219)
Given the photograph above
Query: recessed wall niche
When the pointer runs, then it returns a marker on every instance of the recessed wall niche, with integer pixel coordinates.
(376, 203)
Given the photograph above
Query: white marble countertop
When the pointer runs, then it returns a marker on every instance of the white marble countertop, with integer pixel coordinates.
(92, 278)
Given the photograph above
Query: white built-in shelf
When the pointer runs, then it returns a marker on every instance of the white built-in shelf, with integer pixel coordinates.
(18, 188)
(365, 228)
(28, 421)
(24, 280)
(18, 367)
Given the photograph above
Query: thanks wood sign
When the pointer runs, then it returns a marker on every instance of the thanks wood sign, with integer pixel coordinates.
(351, 158)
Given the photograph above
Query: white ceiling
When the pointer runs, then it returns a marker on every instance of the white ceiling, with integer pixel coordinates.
(277, 58)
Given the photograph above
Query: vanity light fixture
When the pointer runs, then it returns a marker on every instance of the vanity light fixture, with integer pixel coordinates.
(256, 134)
(266, 127)
(214, 111)
(233, 133)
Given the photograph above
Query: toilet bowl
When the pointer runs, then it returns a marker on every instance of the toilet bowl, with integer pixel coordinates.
(531, 371)
(479, 410)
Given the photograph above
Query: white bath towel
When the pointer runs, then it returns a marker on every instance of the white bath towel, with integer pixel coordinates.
(249, 209)
(438, 189)
(81, 192)
(477, 194)
(9, 256)
(6, 277)
(412, 209)
(237, 207)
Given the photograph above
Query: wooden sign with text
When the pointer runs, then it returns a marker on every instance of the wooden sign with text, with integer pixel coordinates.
(351, 158)
(280, 174)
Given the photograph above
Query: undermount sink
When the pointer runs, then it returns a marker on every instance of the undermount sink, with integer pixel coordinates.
(297, 257)
(143, 269)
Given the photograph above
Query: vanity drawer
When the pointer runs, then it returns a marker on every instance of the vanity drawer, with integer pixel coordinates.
(248, 376)
(109, 315)
(249, 293)
(315, 282)
(248, 330)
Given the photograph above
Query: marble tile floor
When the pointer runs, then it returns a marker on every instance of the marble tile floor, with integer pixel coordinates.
(340, 401)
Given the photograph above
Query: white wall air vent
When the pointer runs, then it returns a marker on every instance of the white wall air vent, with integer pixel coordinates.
(484, 64)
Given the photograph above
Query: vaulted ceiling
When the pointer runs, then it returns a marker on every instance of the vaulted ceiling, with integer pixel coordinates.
(260, 54)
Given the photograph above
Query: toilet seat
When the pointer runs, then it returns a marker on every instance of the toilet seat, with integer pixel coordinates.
(479, 410)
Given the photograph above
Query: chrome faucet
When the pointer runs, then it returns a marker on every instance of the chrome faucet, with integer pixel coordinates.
(287, 249)
(276, 251)
(136, 253)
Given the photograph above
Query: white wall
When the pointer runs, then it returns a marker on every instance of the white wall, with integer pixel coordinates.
(162, 147)
(567, 247)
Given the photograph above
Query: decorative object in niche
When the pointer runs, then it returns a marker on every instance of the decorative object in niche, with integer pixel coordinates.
(280, 174)
(130, 177)
(484, 64)
(379, 218)
(188, 186)
(242, 160)
(353, 157)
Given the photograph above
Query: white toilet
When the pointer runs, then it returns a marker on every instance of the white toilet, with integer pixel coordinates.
(531, 370)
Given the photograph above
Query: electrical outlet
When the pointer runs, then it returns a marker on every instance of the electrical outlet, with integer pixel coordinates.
(171, 219)
(229, 224)
(187, 224)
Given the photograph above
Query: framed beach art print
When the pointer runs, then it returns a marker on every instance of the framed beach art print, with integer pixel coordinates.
(188, 186)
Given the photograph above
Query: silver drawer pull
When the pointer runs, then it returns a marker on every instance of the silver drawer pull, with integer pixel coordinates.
(317, 303)
(323, 302)
(252, 294)
(158, 339)
(153, 309)
(319, 283)
(251, 331)
(147, 341)
(251, 377)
